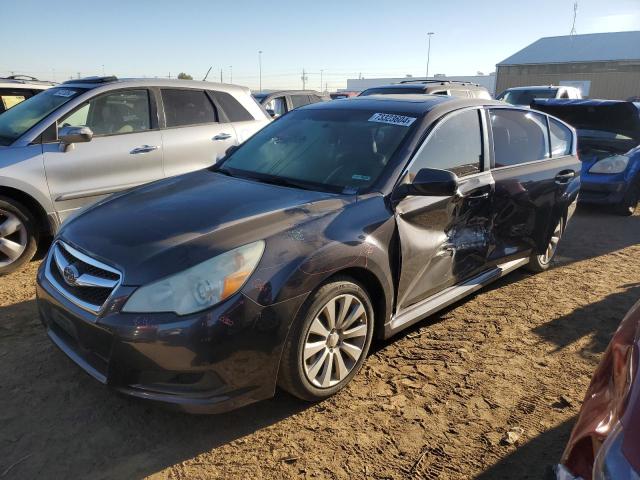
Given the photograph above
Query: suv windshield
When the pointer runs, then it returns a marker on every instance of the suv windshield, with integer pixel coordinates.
(525, 97)
(322, 149)
(16, 121)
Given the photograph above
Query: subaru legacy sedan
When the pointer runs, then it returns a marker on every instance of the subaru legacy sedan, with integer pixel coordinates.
(337, 223)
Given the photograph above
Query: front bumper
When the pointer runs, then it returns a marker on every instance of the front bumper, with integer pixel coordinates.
(600, 193)
(209, 362)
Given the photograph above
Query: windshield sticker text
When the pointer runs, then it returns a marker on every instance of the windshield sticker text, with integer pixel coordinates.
(64, 93)
(392, 119)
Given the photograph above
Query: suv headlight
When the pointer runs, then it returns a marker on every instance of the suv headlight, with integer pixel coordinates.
(614, 164)
(198, 287)
(610, 463)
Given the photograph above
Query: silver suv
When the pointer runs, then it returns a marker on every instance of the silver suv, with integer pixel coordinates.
(80, 141)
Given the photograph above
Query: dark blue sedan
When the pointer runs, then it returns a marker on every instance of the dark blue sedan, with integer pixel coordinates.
(609, 147)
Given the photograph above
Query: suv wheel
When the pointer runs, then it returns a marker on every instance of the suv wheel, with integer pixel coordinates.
(540, 263)
(630, 201)
(18, 235)
(328, 342)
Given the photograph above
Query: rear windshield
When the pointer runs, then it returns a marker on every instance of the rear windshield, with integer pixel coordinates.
(16, 121)
(259, 96)
(525, 97)
(324, 149)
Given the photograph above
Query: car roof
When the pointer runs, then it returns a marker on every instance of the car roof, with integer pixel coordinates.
(540, 87)
(429, 86)
(95, 82)
(418, 104)
(288, 92)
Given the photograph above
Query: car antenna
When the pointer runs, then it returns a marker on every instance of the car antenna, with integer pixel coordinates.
(205, 77)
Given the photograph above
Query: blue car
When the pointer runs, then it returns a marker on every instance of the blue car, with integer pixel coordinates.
(609, 147)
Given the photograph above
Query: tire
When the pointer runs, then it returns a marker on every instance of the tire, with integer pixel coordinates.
(18, 235)
(540, 263)
(629, 203)
(307, 378)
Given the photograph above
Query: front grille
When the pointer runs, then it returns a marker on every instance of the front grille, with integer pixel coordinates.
(83, 280)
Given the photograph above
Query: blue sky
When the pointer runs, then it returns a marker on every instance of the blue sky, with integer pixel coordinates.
(343, 38)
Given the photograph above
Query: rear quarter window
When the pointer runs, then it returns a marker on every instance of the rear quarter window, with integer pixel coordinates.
(561, 139)
(232, 108)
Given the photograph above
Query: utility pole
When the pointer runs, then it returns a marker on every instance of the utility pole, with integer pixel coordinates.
(221, 76)
(260, 67)
(429, 34)
(103, 70)
(575, 14)
(230, 73)
(304, 79)
(321, 72)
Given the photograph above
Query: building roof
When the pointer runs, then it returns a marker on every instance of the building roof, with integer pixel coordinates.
(593, 47)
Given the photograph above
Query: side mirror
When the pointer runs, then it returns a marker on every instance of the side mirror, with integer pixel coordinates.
(272, 113)
(69, 135)
(431, 182)
(230, 150)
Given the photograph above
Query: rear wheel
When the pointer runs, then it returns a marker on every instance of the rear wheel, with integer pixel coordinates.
(18, 235)
(328, 342)
(540, 263)
(629, 203)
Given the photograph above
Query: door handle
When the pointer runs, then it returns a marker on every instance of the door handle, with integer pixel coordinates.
(565, 176)
(478, 196)
(143, 149)
(221, 136)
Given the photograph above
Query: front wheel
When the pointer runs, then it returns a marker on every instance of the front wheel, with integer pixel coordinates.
(542, 262)
(328, 342)
(18, 236)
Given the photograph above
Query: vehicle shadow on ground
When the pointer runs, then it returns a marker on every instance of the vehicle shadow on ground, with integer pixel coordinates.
(585, 237)
(598, 320)
(523, 463)
(66, 425)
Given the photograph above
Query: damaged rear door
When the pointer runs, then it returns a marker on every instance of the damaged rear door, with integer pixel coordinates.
(445, 240)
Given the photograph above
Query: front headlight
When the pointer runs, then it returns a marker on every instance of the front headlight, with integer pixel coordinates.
(610, 463)
(198, 287)
(614, 164)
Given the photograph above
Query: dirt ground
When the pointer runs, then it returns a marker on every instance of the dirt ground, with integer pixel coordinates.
(434, 402)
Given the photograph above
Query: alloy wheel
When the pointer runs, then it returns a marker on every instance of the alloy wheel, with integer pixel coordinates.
(335, 341)
(546, 257)
(13, 238)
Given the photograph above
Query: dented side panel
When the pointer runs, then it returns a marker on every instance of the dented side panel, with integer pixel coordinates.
(444, 240)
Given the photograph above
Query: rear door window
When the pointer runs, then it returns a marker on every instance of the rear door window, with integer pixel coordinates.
(561, 139)
(454, 145)
(184, 107)
(518, 137)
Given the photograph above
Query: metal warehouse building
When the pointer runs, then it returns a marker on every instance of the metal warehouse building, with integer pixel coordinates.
(602, 65)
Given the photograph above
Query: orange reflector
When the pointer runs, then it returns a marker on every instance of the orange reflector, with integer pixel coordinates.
(232, 284)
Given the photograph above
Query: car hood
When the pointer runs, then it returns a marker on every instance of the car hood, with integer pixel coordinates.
(170, 225)
(606, 115)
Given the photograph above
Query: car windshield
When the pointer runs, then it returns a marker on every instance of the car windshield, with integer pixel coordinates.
(16, 121)
(525, 97)
(334, 150)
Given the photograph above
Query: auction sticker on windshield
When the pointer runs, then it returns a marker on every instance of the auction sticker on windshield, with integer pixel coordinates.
(392, 119)
(64, 93)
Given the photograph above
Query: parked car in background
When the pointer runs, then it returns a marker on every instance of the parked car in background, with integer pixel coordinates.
(605, 441)
(431, 87)
(340, 221)
(78, 142)
(280, 102)
(341, 95)
(17, 88)
(609, 146)
(523, 96)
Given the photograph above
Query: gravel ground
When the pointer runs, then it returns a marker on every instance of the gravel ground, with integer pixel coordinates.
(437, 401)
